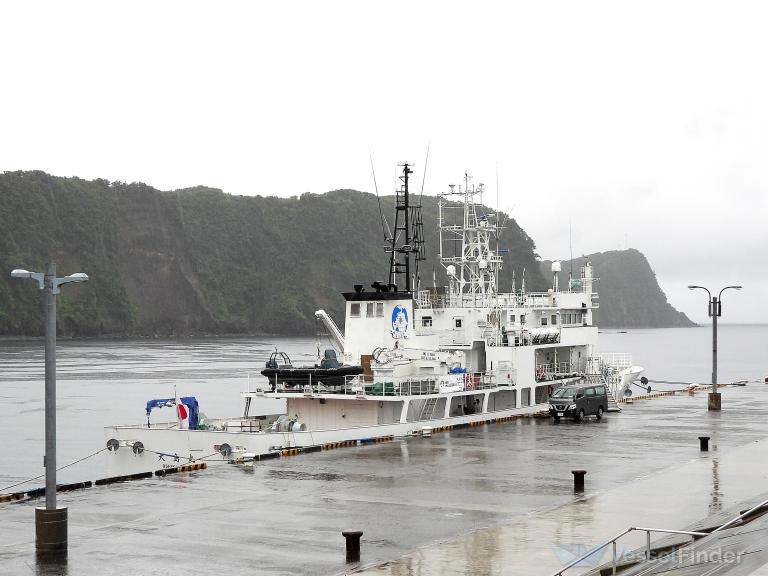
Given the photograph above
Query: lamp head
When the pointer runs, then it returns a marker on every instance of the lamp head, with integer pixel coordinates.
(77, 277)
(38, 277)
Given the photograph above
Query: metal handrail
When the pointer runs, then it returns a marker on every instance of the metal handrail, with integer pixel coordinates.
(625, 532)
(762, 504)
(648, 531)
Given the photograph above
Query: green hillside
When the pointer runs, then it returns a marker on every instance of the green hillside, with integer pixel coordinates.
(198, 261)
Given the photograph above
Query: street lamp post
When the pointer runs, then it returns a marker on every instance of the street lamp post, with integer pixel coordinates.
(714, 312)
(50, 522)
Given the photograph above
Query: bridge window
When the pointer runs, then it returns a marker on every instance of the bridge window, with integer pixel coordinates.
(369, 307)
(379, 309)
(354, 310)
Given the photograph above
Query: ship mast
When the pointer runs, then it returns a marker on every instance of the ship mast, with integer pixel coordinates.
(466, 235)
(408, 233)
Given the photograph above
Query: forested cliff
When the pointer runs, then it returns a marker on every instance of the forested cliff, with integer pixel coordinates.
(197, 260)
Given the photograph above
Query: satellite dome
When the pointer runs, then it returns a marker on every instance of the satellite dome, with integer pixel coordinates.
(556, 267)
(451, 270)
(483, 263)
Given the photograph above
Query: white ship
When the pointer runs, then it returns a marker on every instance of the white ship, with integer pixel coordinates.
(431, 358)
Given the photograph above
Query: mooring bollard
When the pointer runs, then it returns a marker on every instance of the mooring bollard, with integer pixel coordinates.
(704, 443)
(353, 544)
(578, 480)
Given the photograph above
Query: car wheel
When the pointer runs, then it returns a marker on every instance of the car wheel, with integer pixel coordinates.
(580, 415)
(599, 413)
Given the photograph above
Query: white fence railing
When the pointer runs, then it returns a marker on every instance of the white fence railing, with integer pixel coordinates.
(363, 385)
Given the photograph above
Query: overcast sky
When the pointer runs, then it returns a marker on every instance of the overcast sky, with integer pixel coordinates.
(642, 124)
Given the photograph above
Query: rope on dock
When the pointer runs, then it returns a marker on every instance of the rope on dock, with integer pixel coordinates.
(57, 469)
(705, 383)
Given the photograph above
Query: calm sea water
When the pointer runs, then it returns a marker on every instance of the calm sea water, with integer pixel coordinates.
(108, 382)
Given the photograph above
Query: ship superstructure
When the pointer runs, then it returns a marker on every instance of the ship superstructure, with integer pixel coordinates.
(514, 344)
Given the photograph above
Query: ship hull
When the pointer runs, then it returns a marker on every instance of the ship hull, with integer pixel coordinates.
(190, 446)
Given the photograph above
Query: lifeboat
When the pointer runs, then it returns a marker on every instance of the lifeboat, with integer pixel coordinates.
(331, 373)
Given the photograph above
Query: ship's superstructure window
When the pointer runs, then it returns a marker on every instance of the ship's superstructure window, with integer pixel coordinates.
(458, 322)
(554, 319)
(512, 318)
(379, 309)
(571, 317)
(369, 309)
(522, 318)
(354, 309)
(543, 320)
(426, 321)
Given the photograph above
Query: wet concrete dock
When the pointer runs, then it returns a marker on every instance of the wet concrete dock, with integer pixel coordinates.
(699, 486)
(508, 486)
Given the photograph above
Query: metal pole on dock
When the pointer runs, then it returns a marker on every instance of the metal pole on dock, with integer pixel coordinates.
(715, 314)
(714, 401)
(51, 521)
(50, 388)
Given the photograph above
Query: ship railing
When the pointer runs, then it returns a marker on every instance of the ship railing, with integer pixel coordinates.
(534, 300)
(553, 370)
(367, 385)
(471, 300)
(613, 359)
(431, 299)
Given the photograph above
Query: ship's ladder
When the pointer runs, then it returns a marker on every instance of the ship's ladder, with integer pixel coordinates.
(613, 406)
(428, 410)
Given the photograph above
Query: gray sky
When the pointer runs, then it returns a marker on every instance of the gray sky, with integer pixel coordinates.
(642, 123)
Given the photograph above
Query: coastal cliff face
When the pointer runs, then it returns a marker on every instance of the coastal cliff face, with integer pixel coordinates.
(198, 261)
(630, 296)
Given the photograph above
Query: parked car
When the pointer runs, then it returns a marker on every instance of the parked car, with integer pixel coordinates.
(578, 401)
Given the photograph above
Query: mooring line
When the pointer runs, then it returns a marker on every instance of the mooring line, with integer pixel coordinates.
(57, 469)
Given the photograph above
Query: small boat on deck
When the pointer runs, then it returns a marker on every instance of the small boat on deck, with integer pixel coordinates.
(330, 373)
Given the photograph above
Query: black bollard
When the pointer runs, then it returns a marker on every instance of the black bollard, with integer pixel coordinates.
(704, 443)
(578, 480)
(353, 544)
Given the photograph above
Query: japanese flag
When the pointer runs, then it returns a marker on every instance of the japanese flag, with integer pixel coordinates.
(182, 412)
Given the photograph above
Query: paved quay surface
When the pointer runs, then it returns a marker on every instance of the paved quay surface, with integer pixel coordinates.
(737, 548)
(674, 498)
(506, 485)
